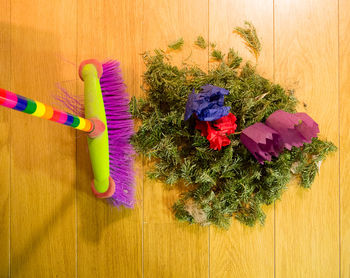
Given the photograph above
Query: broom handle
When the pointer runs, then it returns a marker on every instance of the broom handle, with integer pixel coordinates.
(41, 110)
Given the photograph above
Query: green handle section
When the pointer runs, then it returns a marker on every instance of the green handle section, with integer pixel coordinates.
(94, 108)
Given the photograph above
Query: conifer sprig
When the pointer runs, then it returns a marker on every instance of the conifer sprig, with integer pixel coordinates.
(176, 45)
(250, 38)
(200, 42)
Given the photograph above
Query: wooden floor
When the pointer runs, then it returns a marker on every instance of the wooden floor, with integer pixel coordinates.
(50, 223)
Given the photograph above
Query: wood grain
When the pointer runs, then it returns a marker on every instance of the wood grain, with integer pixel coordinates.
(43, 153)
(175, 250)
(50, 223)
(160, 29)
(5, 61)
(172, 249)
(243, 251)
(344, 145)
(307, 222)
(109, 239)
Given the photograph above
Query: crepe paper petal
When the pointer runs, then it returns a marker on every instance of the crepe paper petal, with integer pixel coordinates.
(214, 113)
(226, 124)
(295, 129)
(216, 138)
(191, 105)
(208, 104)
(217, 141)
(284, 123)
(262, 141)
(203, 127)
(214, 91)
(308, 128)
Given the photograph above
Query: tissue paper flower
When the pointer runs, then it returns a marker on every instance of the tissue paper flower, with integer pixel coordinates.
(226, 124)
(208, 105)
(262, 141)
(294, 129)
(217, 137)
(281, 130)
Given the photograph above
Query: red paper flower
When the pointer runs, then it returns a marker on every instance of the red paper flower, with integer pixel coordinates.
(203, 127)
(226, 124)
(216, 131)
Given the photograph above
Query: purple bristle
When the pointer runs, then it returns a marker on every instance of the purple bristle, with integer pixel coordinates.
(120, 129)
(71, 102)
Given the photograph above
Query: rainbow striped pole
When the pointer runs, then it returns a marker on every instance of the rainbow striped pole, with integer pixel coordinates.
(44, 111)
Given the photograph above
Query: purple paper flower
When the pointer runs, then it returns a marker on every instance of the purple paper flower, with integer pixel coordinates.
(295, 129)
(262, 141)
(308, 127)
(281, 130)
(208, 105)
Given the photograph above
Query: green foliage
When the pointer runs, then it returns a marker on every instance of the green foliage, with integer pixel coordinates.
(233, 59)
(177, 44)
(212, 44)
(226, 184)
(250, 38)
(201, 42)
(217, 55)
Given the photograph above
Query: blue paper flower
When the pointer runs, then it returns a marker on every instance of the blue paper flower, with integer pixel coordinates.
(208, 105)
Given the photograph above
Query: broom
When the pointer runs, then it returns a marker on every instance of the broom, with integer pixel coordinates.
(108, 124)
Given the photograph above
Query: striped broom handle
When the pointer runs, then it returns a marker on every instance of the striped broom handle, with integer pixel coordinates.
(44, 111)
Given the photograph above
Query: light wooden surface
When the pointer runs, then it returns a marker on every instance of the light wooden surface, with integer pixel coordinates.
(52, 226)
(243, 251)
(42, 198)
(169, 249)
(307, 222)
(344, 123)
(109, 240)
(5, 159)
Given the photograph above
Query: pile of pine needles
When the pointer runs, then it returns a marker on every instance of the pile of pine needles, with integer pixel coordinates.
(217, 185)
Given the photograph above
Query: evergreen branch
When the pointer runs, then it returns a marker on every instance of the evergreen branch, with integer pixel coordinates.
(250, 38)
(233, 59)
(176, 45)
(217, 55)
(200, 42)
(212, 44)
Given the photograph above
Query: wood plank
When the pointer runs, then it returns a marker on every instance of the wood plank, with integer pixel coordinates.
(5, 61)
(172, 249)
(243, 251)
(307, 222)
(170, 24)
(109, 239)
(344, 146)
(43, 153)
(175, 250)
